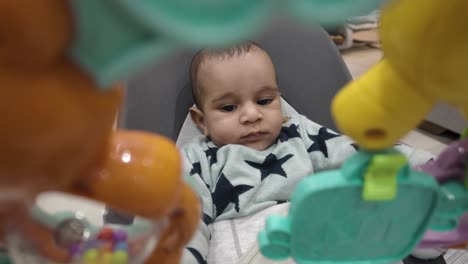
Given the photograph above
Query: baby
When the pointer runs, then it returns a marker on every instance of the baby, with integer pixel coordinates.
(251, 157)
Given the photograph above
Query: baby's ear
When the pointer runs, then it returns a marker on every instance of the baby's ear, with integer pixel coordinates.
(199, 119)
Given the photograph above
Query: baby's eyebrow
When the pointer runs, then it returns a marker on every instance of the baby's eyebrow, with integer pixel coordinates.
(268, 88)
(222, 97)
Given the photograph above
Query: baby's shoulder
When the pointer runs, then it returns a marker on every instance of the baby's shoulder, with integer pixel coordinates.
(196, 146)
(292, 119)
(298, 119)
(303, 125)
(298, 125)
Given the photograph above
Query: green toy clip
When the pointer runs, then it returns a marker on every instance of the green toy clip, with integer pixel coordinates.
(464, 133)
(380, 180)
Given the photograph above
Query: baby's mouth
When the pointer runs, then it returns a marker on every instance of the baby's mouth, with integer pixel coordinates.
(255, 136)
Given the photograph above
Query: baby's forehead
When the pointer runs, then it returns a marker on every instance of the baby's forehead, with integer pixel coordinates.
(226, 73)
(213, 62)
(220, 64)
(228, 58)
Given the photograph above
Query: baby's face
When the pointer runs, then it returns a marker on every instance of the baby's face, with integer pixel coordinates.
(240, 100)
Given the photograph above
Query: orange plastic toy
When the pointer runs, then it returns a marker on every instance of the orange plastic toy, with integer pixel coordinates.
(57, 135)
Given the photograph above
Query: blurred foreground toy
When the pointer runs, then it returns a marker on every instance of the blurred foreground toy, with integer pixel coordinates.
(115, 39)
(369, 199)
(425, 59)
(365, 220)
(450, 169)
(57, 134)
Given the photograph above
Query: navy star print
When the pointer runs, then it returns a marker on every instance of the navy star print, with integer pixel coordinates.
(225, 193)
(207, 219)
(271, 165)
(289, 132)
(211, 153)
(197, 255)
(196, 169)
(320, 141)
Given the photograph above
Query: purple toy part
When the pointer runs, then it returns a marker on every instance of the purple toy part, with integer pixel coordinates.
(119, 236)
(454, 237)
(450, 165)
(76, 249)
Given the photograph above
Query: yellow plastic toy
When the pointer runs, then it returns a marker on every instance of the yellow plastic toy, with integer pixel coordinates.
(426, 59)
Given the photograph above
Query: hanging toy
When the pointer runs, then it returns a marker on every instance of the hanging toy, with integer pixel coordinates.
(57, 135)
(369, 198)
(425, 57)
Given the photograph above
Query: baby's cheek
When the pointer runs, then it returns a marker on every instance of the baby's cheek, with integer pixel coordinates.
(276, 122)
(224, 133)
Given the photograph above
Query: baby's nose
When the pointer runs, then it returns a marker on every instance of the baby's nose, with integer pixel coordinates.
(251, 114)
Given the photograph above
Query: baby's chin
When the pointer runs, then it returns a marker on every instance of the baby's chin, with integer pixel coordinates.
(258, 145)
(255, 145)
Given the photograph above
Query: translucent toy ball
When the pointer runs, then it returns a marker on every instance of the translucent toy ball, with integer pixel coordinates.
(89, 232)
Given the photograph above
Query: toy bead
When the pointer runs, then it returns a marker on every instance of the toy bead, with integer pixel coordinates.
(106, 247)
(106, 258)
(90, 256)
(106, 234)
(75, 249)
(123, 246)
(91, 244)
(120, 236)
(120, 257)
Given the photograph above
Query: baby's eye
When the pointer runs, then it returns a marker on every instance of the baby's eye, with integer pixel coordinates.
(264, 101)
(229, 108)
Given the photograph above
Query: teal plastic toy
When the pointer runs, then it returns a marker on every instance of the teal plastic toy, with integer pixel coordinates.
(339, 216)
(115, 39)
(4, 259)
(203, 22)
(453, 204)
(112, 43)
(330, 13)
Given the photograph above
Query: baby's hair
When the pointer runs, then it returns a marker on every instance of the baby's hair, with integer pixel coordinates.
(206, 53)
